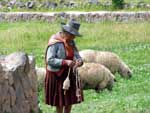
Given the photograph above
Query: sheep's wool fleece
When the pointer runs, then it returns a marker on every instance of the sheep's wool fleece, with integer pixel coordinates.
(95, 74)
(108, 59)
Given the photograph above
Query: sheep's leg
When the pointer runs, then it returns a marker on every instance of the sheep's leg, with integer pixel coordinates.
(100, 86)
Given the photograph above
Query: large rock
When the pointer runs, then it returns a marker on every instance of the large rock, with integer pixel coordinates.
(17, 92)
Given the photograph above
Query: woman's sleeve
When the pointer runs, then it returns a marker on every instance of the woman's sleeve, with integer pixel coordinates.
(51, 56)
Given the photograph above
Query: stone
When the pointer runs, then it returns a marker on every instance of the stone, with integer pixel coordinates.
(20, 4)
(30, 4)
(93, 1)
(51, 5)
(1, 6)
(70, 4)
(17, 93)
(18, 59)
(13, 2)
(12, 96)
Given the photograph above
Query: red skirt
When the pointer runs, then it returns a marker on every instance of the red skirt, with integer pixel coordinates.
(54, 93)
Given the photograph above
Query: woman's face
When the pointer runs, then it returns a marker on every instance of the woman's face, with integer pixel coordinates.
(69, 36)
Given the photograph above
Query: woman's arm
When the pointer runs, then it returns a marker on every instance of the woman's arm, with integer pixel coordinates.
(51, 56)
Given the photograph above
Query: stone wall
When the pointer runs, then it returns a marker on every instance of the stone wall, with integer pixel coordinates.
(84, 16)
(18, 84)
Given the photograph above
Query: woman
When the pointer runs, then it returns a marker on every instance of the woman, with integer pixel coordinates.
(62, 59)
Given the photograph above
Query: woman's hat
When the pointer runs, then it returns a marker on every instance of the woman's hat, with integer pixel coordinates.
(71, 27)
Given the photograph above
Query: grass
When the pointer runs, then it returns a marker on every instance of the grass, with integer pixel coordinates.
(131, 41)
(101, 1)
(82, 6)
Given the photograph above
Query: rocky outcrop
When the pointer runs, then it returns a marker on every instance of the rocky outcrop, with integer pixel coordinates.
(18, 89)
(84, 16)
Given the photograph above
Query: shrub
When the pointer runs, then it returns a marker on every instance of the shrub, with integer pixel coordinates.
(118, 4)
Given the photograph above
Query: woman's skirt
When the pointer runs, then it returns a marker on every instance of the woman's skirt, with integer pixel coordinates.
(54, 93)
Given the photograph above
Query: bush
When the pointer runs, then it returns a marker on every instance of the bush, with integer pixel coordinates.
(118, 4)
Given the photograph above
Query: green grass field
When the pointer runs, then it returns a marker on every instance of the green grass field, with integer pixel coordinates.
(131, 41)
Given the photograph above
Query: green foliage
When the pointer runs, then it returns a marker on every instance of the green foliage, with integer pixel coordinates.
(129, 40)
(118, 4)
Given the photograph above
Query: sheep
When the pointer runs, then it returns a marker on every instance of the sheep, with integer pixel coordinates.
(109, 60)
(40, 72)
(95, 76)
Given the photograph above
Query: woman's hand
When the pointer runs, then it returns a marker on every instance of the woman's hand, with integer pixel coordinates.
(79, 63)
(70, 63)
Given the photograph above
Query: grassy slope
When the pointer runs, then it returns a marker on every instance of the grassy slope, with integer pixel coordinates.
(129, 40)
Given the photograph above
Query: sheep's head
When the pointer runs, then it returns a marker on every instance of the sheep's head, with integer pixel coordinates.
(125, 71)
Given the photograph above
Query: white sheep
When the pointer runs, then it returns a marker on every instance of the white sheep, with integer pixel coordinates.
(96, 76)
(108, 59)
(40, 72)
